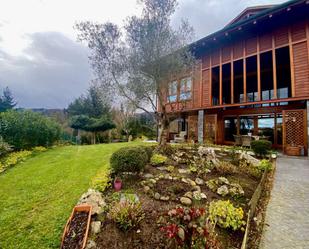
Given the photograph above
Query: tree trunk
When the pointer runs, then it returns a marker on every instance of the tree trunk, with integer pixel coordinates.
(94, 138)
(163, 129)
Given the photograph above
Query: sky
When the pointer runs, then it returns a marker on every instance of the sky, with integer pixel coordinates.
(44, 65)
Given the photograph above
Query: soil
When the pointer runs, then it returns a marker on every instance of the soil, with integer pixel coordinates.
(148, 234)
(77, 228)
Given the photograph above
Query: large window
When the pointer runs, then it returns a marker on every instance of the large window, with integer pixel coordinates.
(251, 73)
(266, 127)
(283, 73)
(246, 125)
(185, 88)
(215, 85)
(267, 81)
(238, 81)
(172, 91)
(226, 83)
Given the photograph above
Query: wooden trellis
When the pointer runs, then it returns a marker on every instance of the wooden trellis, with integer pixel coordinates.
(294, 129)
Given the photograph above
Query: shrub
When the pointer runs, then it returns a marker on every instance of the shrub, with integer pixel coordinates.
(190, 229)
(39, 149)
(127, 214)
(27, 129)
(128, 159)
(14, 158)
(261, 147)
(226, 215)
(249, 169)
(265, 165)
(5, 148)
(224, 167)
(158, 159)
(148, 150)
(102, 180)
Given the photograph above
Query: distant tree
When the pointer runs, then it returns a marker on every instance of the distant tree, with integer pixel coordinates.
(139, 60)
(91, 112)
(7, 101)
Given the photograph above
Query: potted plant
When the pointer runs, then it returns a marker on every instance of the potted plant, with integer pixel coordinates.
(117, 184)
(76, 230)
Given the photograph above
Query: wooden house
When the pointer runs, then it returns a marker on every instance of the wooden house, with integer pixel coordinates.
(252, 79)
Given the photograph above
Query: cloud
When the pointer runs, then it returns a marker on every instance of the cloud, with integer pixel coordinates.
(50, 73)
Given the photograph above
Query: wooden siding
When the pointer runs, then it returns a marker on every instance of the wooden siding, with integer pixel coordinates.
(206, 88)
(301, 69)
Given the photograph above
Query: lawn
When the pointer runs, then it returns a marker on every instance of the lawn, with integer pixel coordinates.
(37, 196)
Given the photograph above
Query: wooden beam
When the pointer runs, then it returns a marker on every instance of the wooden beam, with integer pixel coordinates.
(210, 80)
(258, 68)
(274, 66)
(307, 35)
(245, 74)
(220, 78)
(201, 84)
(292, 63)
(232, 77)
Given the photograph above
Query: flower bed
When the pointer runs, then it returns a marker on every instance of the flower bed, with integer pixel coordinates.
(197, 197)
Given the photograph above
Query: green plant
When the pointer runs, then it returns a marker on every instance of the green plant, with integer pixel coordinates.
(261, 147)
(27, 129)
(193, 168)
(13, 158)
(225, 167)
(39, 149)
(127, 214)
(170, 168)
(5, 148)
(189, 228)
(158, 159)
(148, 150)
(265, 165)
(102, 180)
(226, 215)
(249, 169)
(130, 159)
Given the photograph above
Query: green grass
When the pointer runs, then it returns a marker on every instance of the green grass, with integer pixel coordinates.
(37, 196)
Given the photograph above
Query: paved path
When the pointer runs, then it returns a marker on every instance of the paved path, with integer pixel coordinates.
(287, 215)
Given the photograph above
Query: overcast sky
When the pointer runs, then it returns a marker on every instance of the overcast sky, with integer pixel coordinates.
(44, 65)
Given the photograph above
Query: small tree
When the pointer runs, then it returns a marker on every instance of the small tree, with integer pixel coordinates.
(139, 60)
(7, 101)
(91, 113)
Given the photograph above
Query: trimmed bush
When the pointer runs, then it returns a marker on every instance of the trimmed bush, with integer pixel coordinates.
(148, 150)
(261, 147)
(129, 159)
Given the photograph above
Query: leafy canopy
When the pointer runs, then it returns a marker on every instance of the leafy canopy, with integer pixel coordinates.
(7, 101)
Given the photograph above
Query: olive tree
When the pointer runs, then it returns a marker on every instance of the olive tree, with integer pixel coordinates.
(138, 60)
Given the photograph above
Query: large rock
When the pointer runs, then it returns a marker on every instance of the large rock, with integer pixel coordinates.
(222, 180)
(185, 201)
(91, 244)
(223, 190)
(199, 181)
(95, 199)
(95, 227)
(249, 158)
(236, 190)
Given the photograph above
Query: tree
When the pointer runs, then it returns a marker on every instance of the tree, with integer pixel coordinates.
(139, 60)
(7, 101)
(91, 112)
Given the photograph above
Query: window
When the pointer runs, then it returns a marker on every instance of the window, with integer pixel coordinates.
(185, 88)
(283, 73)
(215, 85)
(230, 128)
(238, 81)
(267, 81)
(226, 83)
(172, 91)
(251, 73)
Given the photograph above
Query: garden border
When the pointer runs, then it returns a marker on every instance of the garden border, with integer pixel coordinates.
(253, 204)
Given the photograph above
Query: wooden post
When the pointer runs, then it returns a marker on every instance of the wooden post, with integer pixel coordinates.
(220, 79)
(245, 74)
(274, 66)
(258, 68)
(210, 80)
(201, 84)
(292, 63)
(232, 77)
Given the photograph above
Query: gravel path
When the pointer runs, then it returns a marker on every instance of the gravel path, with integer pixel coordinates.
(287, 216)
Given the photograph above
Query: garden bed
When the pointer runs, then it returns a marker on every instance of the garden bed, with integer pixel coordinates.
(189, 179)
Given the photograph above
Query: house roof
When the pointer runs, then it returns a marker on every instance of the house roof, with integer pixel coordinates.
(239, 23)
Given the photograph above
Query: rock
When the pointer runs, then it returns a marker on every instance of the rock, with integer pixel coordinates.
(197, 195)
(191, 182)
(164, 198)
(153, 181)
(196, 188)
(129, 197)
(236, 190)
(138, 231)
(95, 227)
(183, 171)
(199, 181)
(250, 159)
(148, 175)
(222, 180)
(203, 196)
(161, 168)
(223, 190)
(146, 189)
(184, 180)
(189, 195)
(167, 176)
(91, 244)
(157, 196)
(95, 199)
(186, 201)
